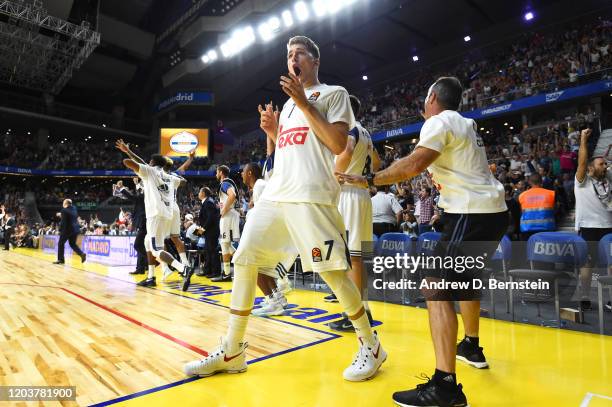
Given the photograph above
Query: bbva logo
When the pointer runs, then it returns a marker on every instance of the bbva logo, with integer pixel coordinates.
(392, 245)
(554, 249)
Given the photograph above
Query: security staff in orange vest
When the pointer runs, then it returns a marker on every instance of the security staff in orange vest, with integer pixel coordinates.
(537, 208)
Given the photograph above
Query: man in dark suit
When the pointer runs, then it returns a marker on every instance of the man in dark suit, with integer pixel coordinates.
(9, 228)
(139, 224)
(209, 221)
(69, 230)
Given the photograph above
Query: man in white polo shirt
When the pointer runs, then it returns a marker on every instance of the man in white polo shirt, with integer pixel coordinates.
(593, 209)
(386, 212)
(474, 211)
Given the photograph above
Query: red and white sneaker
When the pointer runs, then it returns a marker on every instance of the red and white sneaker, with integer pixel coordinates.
(368, 360)
(219, 361)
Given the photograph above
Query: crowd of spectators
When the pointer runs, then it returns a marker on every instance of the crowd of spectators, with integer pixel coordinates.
(533, 64)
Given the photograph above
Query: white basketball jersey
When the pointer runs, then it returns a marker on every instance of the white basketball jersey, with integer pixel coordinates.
(158, 191)
(361, 161)
(303, 165)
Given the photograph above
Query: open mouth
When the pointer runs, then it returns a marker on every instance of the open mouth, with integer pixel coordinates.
(297, 70)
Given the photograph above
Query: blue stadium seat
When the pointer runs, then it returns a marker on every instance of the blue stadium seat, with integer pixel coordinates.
(604, 280)
(426, 243)
(551, 247)
(390, 244)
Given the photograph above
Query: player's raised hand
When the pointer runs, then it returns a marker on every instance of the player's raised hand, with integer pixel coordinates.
(294, 88)
(122, 146)
(268, 119)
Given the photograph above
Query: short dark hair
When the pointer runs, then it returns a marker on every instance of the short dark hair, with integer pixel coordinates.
(591, 160)
(255, 168)
(309, 44)
(224, 170)
(428, 190)
(206, 191)
(448, 91)
(355, 105)
(158, 160)
(535, 179)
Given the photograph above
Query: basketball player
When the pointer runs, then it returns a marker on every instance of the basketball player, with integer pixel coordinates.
(159, 195)
(229, 225)
(358, 158)
(474, 210)
(275, 301)
(298, 209)
(175, 222)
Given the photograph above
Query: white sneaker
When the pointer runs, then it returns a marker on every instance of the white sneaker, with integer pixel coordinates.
(280, 298)
(269, 308)
(167, 271)
(218, 362)
(367, 361)
(283, 285)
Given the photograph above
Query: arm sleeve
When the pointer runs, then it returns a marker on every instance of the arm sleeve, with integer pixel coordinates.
(143, 171)
(339, 108)
(433, 135)
(395, 205)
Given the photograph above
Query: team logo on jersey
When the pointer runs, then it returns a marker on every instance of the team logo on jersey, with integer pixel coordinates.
(291, 137)
(316, 255)
(314, 97)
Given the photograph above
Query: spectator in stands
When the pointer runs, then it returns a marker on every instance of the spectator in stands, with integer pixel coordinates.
(386, 211)
(9, 224)
(537, 209)
(593, 208)
(514, 212)
(426, 210)
(409, 226)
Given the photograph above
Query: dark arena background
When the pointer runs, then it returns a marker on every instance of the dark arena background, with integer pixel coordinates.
(118, 275)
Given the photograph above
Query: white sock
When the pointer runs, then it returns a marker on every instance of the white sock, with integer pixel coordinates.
(151, 272)
(366, 305)
(227, 268)
(165, 268)
(178, 265)
(235, 332)
(183, 257)
(364, 330)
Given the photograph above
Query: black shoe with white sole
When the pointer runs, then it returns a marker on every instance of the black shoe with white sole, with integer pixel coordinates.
(330, 298)
(187, 273)
(608, 306)
(431, 394)
(148, 282)
(471, 354)
(345, 324)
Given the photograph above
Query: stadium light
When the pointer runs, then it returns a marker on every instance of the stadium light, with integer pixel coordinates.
(528, 16)
(301, 11)
(467, 38)
(415, 58)
(212, 55)
(364, 77)
(505, 124)
(287, 18)
(205, 58)
(320, 7)
(269, 28)
(239, 40)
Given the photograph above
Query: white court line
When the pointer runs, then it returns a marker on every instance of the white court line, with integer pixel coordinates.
(589, 396)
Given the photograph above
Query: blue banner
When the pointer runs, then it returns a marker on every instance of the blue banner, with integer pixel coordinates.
(503, 108)
(94, 173)
(187, 98)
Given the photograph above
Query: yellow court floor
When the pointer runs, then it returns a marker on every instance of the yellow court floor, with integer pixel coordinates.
(89, 326)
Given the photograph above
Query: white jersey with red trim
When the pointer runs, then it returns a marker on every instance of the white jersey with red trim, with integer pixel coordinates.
(361, 161)
(303, 165)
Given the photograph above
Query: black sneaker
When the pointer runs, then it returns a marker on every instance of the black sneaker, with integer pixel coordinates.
(608, 306)
(345, 325)
(148, 282)
(137, 272)
(221, 278)
(471, 354)
(431, 395)
(187, 273)
(330, 298)
(58, 262)
(83, 257)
